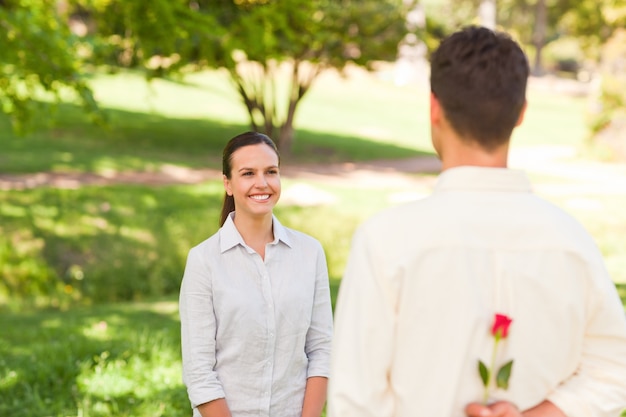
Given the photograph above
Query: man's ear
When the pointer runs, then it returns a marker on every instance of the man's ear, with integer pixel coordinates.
(520, 119)
(436, 112)
(227, 186)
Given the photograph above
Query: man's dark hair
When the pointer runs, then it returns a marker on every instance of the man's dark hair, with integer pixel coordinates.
(479, 77)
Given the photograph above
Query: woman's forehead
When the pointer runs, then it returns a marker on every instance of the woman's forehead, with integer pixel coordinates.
(255, 155)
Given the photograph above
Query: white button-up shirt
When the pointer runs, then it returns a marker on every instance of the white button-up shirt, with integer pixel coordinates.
(252, 330)
(423, 282)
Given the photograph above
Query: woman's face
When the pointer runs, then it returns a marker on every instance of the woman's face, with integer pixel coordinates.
(254, 180)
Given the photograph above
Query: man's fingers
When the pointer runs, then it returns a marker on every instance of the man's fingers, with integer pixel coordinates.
(504, 409)
(477, 410)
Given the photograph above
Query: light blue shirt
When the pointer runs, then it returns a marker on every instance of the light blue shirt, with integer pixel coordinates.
(254, 330)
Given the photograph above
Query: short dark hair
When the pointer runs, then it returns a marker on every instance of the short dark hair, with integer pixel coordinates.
(479, 77)
(239, 141)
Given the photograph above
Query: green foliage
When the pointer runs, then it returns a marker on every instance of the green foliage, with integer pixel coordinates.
(483, 372)
(608, 122)
(88, 242)
(591, 22)
(164, 38)
(159, 36)
(307, 36)
(38, 56)
(502, 378)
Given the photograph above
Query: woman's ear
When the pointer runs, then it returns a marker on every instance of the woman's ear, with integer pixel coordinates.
(227, 186)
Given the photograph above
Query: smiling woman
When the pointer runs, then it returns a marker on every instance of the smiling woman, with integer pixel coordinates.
(255, 308)
(252, 183)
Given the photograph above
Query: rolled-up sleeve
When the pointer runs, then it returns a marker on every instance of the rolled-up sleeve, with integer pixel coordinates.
(198, 329)
(598, 388)
(319, 334)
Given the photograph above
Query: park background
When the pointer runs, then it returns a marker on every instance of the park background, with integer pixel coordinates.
(110, 159)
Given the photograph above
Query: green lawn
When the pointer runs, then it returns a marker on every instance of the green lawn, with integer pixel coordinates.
(119, 360)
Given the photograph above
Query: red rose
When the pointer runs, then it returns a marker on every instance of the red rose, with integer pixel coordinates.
(499, 331)
(501, 326)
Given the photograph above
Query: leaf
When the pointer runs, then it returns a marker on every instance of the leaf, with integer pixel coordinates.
(502, 379)
(484, 372)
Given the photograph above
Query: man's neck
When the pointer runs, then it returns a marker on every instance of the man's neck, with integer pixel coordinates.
(465, 153)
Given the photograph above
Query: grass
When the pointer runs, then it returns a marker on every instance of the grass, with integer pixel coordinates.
(69, 354)
(553, 119)
(172, 123)
(86, 243)
(110, 360)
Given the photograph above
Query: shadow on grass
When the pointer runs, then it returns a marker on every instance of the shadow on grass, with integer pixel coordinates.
(139, 141)
(102, 243)
(61, 247)
(107, 360)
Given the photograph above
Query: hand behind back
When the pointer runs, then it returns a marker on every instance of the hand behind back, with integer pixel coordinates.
(498, 409)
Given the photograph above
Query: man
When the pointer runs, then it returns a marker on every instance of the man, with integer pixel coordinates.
(424, 280)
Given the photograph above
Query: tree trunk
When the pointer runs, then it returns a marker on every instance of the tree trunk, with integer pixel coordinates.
(487, 13)
(301, 80)
(285, 138)
(260, 101)
(539, 36)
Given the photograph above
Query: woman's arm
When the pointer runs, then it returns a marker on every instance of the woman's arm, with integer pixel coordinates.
(314, 396)
(215, 408)
(318, 341)
(198, 330)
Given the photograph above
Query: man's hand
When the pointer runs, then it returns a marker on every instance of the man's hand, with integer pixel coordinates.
(507, 409)
(498, 409)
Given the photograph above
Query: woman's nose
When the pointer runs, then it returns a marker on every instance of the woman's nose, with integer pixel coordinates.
(261, 181)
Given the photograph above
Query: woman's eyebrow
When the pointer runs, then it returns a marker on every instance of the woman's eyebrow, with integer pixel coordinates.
(254, 169)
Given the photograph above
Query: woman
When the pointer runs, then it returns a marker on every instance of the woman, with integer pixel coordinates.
(256, 319)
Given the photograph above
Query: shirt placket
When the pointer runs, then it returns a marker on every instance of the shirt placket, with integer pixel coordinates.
(268, 368)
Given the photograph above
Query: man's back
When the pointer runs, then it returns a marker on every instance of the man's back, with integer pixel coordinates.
(425, 280)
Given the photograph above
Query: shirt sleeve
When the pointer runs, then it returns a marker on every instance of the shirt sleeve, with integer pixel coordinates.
(363, 342)
(319, 335)
(598, 388)
(198, 330)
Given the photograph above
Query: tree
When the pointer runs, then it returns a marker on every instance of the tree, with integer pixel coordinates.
(307, 35)
(539, 22)
(38, 56)
(158, 36)
(256, 41)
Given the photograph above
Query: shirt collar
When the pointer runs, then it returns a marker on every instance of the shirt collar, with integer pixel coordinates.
(473, 178)
(230, 236)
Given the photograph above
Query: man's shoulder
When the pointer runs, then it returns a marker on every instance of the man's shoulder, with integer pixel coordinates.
(413, 213)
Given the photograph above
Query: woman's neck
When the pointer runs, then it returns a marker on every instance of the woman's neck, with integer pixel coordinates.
(255, 231)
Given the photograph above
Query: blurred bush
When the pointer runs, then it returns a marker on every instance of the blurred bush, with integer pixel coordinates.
(564, 56)
(608, 115)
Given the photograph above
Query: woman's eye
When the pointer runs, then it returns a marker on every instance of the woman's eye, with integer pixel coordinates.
(249, 173)
(272, 171)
